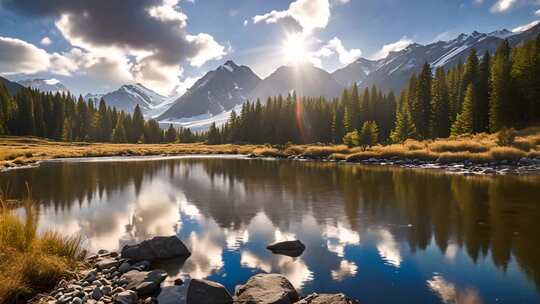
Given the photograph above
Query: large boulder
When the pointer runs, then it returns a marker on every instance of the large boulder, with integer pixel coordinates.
(266, 289)
(289, 248)
(195, 291)
(157, 248)
(144, 282)
(207, 292)
(337, 298)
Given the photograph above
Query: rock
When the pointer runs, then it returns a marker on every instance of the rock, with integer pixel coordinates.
(178, 282)
(289, 248)
(107, 263)
(207, 292)
(338, 298)
(97, 294)
(107, 290)
(126, 297)
(76, 301)
(157, 248)
(90, 276)
(144, 282)
(266, 289)
(102, 251)
(142, 265)
(125, 267)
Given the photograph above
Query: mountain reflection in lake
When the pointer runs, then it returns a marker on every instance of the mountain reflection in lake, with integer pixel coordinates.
(376, 233)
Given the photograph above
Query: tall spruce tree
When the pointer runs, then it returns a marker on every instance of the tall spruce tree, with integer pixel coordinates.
(465, 120)
(421, 105)
(440, 119)
(500, 98)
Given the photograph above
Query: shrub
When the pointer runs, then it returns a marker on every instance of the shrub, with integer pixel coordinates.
(506, 137)
(506, 153)
(324, 151)
(351, 139)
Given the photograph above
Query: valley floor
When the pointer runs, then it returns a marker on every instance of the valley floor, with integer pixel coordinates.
(480, 149)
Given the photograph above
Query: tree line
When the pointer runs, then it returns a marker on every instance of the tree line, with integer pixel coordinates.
(60, 116)
(485, 94)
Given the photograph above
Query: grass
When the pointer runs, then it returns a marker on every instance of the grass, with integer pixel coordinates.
(480, 148)
(32, 262)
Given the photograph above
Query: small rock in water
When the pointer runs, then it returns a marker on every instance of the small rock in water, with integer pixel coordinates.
(289, 248)
(125, 267)
(178, 282)
(97, 294)
(107, 263)
(102, 251)
(327, 299)
(157, 248)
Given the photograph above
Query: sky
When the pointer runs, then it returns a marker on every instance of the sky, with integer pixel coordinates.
(96, 46)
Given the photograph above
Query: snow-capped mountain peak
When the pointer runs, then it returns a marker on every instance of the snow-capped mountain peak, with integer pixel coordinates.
(45, 85)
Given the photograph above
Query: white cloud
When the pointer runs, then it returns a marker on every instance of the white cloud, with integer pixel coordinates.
(208, 49)
(393, 47)
(184, 85)
(503, 5)
(20, 57)
(46, 41)
(525, 27)
(335, 46)
(537, 13)
(309, 14)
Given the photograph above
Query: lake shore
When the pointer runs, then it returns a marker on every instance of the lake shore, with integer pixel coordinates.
(476, 154)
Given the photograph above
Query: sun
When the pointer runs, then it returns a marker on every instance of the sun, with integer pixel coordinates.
(294, 49)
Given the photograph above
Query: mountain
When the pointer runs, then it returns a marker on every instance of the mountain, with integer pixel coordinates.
(44, 85)
(128, 96)
(394, 71)
(305, 80)
(355, 72)
(218, 91)
(11, 86)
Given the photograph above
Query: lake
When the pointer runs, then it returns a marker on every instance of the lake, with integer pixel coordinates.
(378, 234)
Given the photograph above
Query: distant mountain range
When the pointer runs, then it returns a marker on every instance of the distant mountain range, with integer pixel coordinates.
(44, 85)
(394, 71)
(127, 97)
(11, 86)
(212, 97)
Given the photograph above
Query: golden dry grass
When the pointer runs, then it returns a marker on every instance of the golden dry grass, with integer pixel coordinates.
(32, 262)
(19, 151)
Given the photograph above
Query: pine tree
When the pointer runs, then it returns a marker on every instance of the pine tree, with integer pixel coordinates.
(440, 119)
(368, 135)
(465, 119)
(171, 135)
(137, 125)
(405, 127)
(421, 106)
(481, 109)
(67, 130)
(119, 132)
(500, 97)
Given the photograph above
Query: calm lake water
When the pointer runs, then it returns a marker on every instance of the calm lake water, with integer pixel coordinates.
(379, 234)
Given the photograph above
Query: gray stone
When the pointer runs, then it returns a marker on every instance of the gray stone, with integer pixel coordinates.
(266, 289)
(151, 280)
(157, 248)
(338, 298)
(107, 290)
(107, 263)
(207, 292)
(125, 267)
(97, 294)
(126, 297)
(76, 300)
(90, 276)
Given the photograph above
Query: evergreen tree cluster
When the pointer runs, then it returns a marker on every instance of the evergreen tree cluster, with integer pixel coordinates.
(307, 120)
(63, 117)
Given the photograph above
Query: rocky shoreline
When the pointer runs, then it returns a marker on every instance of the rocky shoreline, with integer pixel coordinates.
(129, 278)
(523, 166)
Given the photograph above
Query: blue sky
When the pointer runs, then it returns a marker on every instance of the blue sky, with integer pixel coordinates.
(95, 46)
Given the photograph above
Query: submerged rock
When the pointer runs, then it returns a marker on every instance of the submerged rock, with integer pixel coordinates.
(144, 282)
(338, 298)
(157, 248)
(266, 289)
(289, 248)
